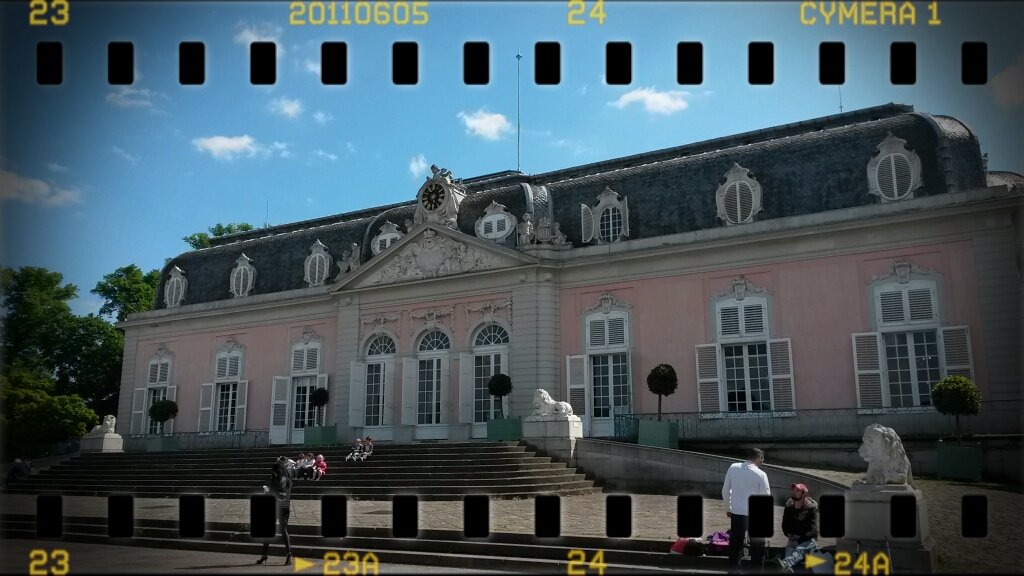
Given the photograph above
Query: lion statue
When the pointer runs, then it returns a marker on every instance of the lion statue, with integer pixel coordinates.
(106, 428)
(544, 405)
(887, 461)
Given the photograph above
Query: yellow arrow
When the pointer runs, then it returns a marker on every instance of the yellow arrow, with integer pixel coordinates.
(301, 564)
(812, 561)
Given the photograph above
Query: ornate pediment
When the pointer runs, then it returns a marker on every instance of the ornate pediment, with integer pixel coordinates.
(738, 289)
(901, 269)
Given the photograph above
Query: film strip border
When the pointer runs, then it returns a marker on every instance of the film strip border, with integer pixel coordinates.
(476, 63)
(476, 518)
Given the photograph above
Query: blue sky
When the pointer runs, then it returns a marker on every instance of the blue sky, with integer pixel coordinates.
(95, 176)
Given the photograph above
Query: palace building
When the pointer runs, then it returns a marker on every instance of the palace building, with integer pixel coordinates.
(843, 263)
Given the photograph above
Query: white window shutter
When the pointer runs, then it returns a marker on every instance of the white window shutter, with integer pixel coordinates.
(956, 350)
(596, 332)
(891, 307)
(708, 386)
(388, 392)
(446, 390)
(586, 223)
(154, 372)
(279, 410)
(575, 371)
(298, 359)
(921, 304)
(753, 319)
(466, 387)
(164, 372)
(313, 359)
(172, 395)
(780, 354)
(234, 366)
(222, 367)
(241, 401)
(357, 395)
(729, 321)
(616, 331)
(205, 408)
(867, 369)
(409, 390)
(139, 417)
(625, 218)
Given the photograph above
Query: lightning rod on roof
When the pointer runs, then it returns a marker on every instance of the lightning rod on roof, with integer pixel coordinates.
(519, 59)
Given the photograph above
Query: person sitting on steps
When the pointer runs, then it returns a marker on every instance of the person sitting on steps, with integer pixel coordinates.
(320, 467)
(367, 449)
(357, 450)
(800, 523)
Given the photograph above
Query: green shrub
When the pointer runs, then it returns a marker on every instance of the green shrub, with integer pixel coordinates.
(499, 385)
(163, 410)
(958, 396)
(662, 381)
(318, 399)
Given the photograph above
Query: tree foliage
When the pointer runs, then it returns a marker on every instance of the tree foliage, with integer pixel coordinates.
(34, 419)
(127, 290)
(202, 239)
(35, 305)
(662, 380)
(958, 396)
(499, 385)
(88, 362)
(163, 410)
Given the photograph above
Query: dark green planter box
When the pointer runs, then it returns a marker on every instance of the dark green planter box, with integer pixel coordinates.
(320, 436)
(163, 444)
(502, 429)
(661, 434)
(959, 461)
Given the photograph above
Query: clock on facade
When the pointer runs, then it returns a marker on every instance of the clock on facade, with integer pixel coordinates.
(433, 196)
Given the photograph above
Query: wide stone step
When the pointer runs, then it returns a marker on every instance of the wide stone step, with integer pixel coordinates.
(409, 480)
(254, 478)
(373, 461)
(291, 451)
(342, 468)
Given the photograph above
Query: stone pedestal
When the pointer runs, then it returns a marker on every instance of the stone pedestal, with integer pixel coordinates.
(867, 529)
(109, 442)
(546, 427)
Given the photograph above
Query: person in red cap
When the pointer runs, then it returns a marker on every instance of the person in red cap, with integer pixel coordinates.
(800, 524)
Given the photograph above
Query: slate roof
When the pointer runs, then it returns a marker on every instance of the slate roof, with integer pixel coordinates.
(805, 167)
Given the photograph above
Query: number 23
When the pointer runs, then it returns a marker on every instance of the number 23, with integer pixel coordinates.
(37, 12)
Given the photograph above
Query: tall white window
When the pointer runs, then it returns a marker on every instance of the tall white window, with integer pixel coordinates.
(428, 401)
(608, 353)
(305, 368)
(490, 353)
(379, 349)
(159, 378)
(228, 375)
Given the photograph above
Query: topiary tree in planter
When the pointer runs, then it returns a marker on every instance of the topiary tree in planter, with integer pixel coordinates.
(318, 399)
(163, 410)
(957, 395)
(499, 385)
(662, 381)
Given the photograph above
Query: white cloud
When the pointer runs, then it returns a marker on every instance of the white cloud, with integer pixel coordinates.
(129, 157)
(418, 166)
(31, 191)
(350, 148)
(1008, 85)
(286, 107)
(265, 32)
(282, 148)
(226, 148)
(128, 97)
(484, 124)
(322, 117)
(327, 155)
(654, 101)
(57, 167)
(312, 67)
(583, 91)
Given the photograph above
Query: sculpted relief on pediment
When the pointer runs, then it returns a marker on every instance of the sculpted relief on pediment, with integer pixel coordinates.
(433, 256)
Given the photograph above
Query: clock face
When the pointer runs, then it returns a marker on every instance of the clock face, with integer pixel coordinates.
(433, 196)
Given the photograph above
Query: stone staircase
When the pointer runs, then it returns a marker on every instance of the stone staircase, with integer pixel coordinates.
(442, 471)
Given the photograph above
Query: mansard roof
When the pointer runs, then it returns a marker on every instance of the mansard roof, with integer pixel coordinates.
(806, 167)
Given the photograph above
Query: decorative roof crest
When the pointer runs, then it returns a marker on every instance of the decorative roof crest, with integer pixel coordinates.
(605, 302)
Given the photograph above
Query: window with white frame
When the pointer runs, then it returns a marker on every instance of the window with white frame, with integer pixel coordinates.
(306, 358)
(428, 401)
(895, 171)
(608, 354)
(379, 349)
(159, 379)
(739, 197)
(384, 239)
(317, 265)
(496, 223)
(174, 288)
(243, 275)
(897, 366)
(226, 379)
(490, 351)
(608, 221)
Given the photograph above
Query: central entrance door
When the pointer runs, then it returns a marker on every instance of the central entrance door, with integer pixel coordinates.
(303, 414)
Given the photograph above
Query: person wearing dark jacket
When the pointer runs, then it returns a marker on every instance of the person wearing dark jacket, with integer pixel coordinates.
(281, 486)
(20, 471)
(800, 524)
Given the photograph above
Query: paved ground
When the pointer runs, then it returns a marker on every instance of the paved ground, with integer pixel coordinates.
(654, 517)
(102, 559)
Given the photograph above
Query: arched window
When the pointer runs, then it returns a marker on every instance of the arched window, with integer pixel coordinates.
(739, 197)
(609, 219)
(611, 224)
(435, 340)
(174, 289)
(490, 335)
(318, 265)
(387, 236)
(378, 380)
(894, 172)
(242, 276)
(381, 345)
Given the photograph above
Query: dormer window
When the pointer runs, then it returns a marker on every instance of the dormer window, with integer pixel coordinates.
(895, 172)
(242, 277)
(174, 288)
(609, 219)
(496, 223)
(387, 236)
(739, 197)
(318, 265)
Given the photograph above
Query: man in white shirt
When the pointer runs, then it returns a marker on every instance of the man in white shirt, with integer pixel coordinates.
(743, 480)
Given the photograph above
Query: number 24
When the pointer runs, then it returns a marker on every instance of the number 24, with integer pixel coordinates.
(578, 7)
(37, 12)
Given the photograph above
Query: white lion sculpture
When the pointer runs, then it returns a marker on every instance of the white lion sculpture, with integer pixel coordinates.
(545, 406)
(106, 428)
(886, 458)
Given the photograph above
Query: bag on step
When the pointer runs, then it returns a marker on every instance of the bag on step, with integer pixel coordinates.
(718, 543)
